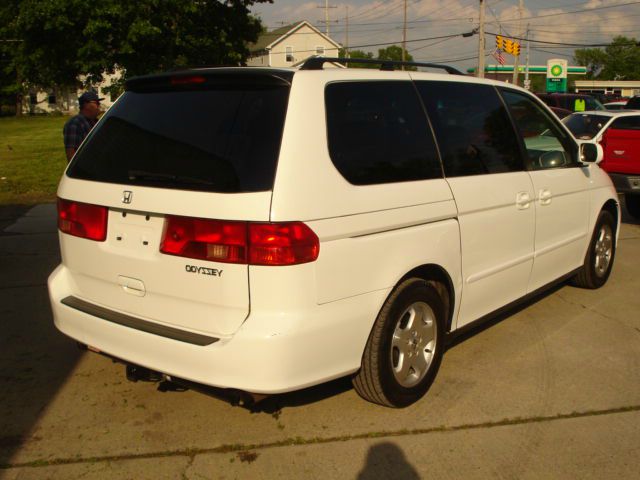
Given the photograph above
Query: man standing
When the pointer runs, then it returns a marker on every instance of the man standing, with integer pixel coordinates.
(79, 126)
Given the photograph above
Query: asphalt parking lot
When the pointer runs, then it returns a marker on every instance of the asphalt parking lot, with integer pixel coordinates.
(551, 390)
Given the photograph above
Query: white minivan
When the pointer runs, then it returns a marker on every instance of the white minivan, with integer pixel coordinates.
(265, 230)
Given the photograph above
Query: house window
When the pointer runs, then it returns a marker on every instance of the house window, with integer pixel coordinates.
(51, 98)
(289, 54)
(320, 51)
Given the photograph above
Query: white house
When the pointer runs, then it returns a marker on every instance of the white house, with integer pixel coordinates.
(66, 100)
(290, 45)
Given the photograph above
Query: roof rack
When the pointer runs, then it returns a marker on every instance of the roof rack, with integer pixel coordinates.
(316, 63)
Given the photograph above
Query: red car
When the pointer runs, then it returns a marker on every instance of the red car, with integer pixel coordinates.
(619, 134)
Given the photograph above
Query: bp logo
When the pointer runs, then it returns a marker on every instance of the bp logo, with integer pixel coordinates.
(556, 70)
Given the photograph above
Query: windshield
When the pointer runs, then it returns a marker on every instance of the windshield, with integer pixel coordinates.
(585, 126)
(220, 139)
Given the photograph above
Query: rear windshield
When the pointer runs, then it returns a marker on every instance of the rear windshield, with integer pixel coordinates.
(225, 139)
(580, 104)
(583, 126)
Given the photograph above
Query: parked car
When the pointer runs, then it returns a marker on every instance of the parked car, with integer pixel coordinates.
(619, 135)
(573, 102)
(615, 105)
(560, 112)
(264, 230)
(633, 103)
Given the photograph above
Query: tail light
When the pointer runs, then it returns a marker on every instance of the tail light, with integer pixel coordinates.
(287, 243)
(82, 220)
(213, 240)
(191, 80)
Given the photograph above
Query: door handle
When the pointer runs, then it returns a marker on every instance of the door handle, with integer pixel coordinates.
(545, 197)
(523, 200)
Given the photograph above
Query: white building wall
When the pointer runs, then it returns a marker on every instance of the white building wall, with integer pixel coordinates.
(303, 43)
(64, 101)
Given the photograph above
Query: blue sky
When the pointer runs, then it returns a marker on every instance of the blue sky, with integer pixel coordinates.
(380, 21)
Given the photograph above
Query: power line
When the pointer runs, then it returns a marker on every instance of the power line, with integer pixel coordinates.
(546, 42)
(430, 45)
(557, 54)
(572, 12)
(351, 47)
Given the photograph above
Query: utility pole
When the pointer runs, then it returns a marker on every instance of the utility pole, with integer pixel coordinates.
(404, 34)
(527, 82)
(326, 15)
(481, 42)
(517, 57)
(346, 42)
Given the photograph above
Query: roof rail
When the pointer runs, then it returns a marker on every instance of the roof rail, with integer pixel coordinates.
(316, 63)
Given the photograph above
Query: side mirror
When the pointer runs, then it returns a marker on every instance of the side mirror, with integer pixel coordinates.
(591, 152)
(552, 159)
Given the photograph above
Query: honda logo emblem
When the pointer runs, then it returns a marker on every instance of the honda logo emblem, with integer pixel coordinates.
(127, 196)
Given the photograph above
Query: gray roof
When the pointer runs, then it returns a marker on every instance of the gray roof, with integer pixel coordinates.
(268, 38)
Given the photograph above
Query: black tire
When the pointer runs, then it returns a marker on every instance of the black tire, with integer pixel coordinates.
(413, 306)
(599, 258)
(633, 205)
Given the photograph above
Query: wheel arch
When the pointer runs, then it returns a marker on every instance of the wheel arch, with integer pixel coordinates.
(613, 208)
(441, 281)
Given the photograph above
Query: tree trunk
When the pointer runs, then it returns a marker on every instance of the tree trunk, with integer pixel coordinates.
(18, 94)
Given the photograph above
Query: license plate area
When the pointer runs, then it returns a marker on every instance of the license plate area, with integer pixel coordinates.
(135, 231)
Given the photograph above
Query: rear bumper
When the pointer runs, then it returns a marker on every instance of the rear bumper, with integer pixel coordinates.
(272, 352)
(626, 183)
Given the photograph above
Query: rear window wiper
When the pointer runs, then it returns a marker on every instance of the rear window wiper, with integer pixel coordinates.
(158, 177)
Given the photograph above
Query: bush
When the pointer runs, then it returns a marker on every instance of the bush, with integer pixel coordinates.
(7, 110)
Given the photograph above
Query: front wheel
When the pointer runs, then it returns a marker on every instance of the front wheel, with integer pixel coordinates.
(599, 259)
(633, 205)
(405, 346)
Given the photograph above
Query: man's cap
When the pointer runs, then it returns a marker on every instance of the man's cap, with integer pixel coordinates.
(89, 97)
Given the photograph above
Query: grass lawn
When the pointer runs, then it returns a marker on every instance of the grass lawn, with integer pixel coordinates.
(32, 158)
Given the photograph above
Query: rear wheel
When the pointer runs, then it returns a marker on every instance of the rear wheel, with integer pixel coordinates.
(599, 259)
(633, 205)
(405, 346)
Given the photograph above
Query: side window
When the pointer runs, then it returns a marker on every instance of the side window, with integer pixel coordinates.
(378, 133)
(626, 123)
(472, 127)
(547, 145)
(289, 54)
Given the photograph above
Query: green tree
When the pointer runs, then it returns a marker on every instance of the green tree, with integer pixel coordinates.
(63, 39)
(394, 52)
(592, 58)
(358, 54)
(619, 60)
(10, 91)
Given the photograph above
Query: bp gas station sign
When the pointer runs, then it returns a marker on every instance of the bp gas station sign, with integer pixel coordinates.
(557, 75)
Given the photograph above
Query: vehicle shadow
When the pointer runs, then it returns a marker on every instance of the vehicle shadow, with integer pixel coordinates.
(626, 216)
(35, 359)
